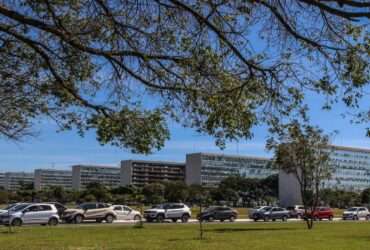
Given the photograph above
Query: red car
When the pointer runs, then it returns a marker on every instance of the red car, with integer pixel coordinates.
(321, 213)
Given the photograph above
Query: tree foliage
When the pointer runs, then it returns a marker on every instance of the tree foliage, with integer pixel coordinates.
(124, 68)
(304, 152)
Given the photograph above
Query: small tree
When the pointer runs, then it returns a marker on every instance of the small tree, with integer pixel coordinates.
(303, 151)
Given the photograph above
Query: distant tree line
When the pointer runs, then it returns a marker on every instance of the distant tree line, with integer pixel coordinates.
(233, 191)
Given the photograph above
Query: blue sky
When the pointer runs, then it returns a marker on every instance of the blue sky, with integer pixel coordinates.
(61, 150)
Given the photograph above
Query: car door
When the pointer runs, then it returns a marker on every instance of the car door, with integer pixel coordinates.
(128, 213)
(31, 215)
(45, 213)
(361, 212)
(118, 209)
(90, 211)
(274, 213)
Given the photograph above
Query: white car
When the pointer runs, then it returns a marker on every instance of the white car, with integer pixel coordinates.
(356, 213)
(171, 211)
(126, 213)
(10, 207)
(37, 213)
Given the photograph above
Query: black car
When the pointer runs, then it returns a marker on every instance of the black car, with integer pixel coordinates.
(271, 213)
(218, 213)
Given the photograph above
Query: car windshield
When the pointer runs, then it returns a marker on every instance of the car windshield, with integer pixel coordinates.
(10, 206)
(265, 208)
(19, 207)
(352, 209)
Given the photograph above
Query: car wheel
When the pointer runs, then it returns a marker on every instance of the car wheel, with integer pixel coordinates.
(330, 217)
(266, 218)
(232, 218)
(222, 220)
(210, 218)
(17, 222)
(149, 220)
(99, 220)
(53, 222)
(109, 218)
(255, 220)
(284, 218)
(78, 219)
(184, 218)
(174, 220)
(315, 218)
(355, 217)
(367, 217)
(299, 216)
(137, 217)
(160, 218)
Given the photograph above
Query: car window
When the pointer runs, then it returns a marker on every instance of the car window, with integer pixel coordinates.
(45, 208)
(102, 205)
(33, 209)
(127, 209)
(300, 207)
(117, 208)
(88, 206)
(177, 206)
(362, 209)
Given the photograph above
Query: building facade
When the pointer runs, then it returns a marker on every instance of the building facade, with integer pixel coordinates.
(351, 172)
(14, 180)
(210, 169)
(2, 180)
(82, 175)
(52, 178)
(140, 173)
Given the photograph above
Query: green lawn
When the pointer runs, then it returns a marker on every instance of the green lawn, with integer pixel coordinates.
(335, 235)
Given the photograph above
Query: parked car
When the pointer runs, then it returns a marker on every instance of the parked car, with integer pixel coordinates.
(296, 211)
(356, 213)
(172, 211)
(38, 213)
(218, 213)
(271, 213)
(90, 211)
(257, 209)
(320, 213)
(126, 213)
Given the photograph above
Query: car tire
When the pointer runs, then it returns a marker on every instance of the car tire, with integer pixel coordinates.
(367, 217)
(255, 220)
(174, 220)
(232, 218)
(222, 220)
(315, 218)
(53, 222)
(149, 220)
(185, 218)
(109, 218)
(210, 219)
(17, 222)
(284, 218)
(99, 220)
(78, 219)
(355, 217)
(266, 218)
(330, 218)
(160, 218)
(137, 217)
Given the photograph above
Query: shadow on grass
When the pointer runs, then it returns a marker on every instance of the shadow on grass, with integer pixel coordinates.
(229, 230)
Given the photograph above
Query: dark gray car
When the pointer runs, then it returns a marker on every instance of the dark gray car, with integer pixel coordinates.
(271, 213)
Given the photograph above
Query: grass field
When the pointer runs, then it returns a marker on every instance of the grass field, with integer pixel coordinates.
(277, 236)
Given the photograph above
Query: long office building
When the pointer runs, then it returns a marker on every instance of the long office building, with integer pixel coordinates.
(14, 180)
(82, 175)
(351, 172)
(45, 178)
(210, 169)
(140, 173)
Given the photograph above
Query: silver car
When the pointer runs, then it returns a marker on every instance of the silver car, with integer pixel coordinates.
(356, 213)
(38, 213)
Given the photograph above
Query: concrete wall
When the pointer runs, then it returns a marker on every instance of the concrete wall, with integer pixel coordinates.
(193, 169)
(289, 190)
(76, 177)
(126, 173)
